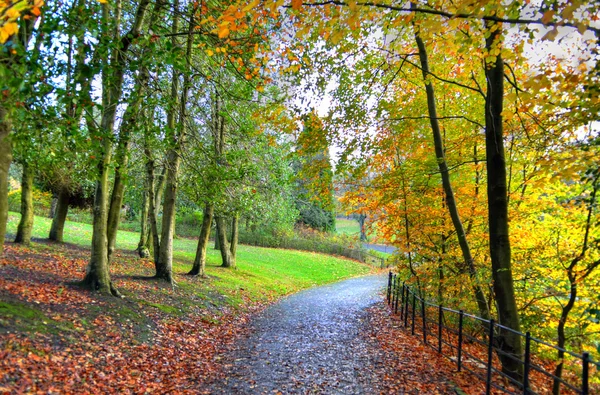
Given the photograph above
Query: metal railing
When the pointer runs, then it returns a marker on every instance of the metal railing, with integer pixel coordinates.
(468, 341)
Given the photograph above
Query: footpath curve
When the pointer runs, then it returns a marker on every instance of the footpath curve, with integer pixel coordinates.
(317, 341)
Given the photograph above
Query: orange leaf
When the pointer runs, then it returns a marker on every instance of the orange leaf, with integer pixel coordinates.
(296, 4)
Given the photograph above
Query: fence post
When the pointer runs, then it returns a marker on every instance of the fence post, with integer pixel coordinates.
(488, 382)
(402, 301)
(394, 287)
(585, 373)
(440, 318)
(412, 330)
(460, 339)
(526, 363)
(424, 317)
(397, 299)
(389, 285)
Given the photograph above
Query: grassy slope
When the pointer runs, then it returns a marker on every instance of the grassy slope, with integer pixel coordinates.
(262, 273)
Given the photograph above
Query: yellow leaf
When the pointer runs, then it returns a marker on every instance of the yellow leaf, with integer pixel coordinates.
(250, 6)
(296, 4)
(223, 32)
(210, 52)
(102, 1)
(581, 28)
(7, 30)
(13, 14)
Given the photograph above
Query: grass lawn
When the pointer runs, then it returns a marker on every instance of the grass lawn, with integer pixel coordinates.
(262, 273)
(347, 226)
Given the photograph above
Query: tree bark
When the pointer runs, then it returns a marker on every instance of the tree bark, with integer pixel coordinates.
(234, 237)
(500, 252)
(469, 262)
(5, 160)
(26, 223)
(222, 236)
(143, 249)
(217, 241)
(116, 201)
(198, 269)
(11, 64)
(165, 262)
(97, 275)
(60, 216)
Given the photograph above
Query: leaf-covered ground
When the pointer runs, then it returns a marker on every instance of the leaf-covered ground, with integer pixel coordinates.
(58, 338)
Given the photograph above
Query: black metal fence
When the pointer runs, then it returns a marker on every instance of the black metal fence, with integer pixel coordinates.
(315, 246)
(468, 341)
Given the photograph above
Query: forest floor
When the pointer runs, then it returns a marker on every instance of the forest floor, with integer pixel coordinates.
(56, 337)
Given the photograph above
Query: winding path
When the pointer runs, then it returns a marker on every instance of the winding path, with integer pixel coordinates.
(315, 341)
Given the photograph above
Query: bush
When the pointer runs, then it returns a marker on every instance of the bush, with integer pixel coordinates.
(188, 223)
(42, 201)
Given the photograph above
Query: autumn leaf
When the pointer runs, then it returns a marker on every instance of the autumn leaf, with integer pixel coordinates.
(7, 30)
(223, 32)
(551, 35)
(296, 4)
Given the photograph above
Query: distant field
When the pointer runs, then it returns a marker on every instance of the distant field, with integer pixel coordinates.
(347, 226)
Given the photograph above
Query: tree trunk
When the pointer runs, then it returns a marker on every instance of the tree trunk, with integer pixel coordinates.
(53, 205)
(561, 340)
(222, 236)
(217, 241)
(143, 249)
(26, 223)
(116, 201)
(361, 223)
(5, 159)
(97, 275)
(153, 209)
(198, 269)
(500, 253)
(234, 237)
(164, 265)
(449, 193)
(60, 216)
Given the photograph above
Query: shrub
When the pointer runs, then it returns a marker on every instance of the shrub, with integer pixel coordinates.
(42, 201)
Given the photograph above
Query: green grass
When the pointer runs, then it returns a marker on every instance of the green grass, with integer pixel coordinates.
(24, 316)
(262, 273)
(347, 226)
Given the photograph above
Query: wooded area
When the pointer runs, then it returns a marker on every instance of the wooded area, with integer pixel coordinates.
(466, 133)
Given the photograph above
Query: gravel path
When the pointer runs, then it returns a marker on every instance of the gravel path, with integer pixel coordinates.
(316, 341)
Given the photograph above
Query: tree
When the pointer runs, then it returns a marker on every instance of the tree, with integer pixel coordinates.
(16, 31)
(314, 200)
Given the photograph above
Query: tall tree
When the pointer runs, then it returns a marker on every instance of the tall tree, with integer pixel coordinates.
(116, 45)
(16, 32)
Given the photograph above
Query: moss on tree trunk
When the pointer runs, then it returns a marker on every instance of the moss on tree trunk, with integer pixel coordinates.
(5, 159)
(222, 236)
(26, 222)
(60, 216)
(198, 269)
(234, 238)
